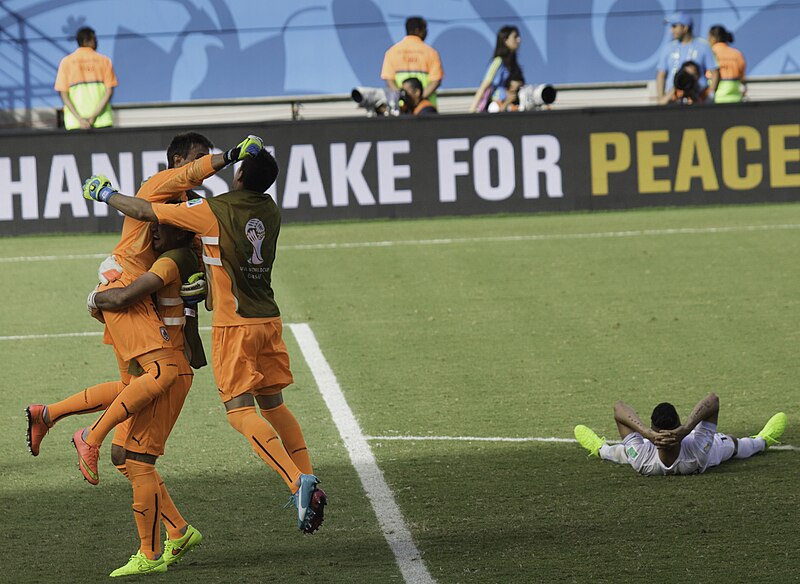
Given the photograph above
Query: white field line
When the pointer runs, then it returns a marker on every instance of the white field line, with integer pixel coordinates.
(459, 240)
(375, 438)
(52, 258)
(64, 335)
(511, 439)
(380, 496)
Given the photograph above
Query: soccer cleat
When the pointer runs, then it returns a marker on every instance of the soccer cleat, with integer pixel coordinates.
(589, 440)
(301, 500)
(87, 457)
(316, 511)
(176, 549)
(139, 564)
(773, 429)
(37, 427)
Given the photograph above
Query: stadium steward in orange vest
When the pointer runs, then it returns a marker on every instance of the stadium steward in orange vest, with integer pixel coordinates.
(411, 57)
(86, 82)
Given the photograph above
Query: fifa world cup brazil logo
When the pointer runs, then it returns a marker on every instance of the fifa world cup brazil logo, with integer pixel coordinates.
(255, 232)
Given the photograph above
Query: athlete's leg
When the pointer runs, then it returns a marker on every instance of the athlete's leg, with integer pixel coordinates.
(747, 447)
(614, 453)
(146, 502)
(242, 416)
(286, 426)
(92, 399)
(161, 371)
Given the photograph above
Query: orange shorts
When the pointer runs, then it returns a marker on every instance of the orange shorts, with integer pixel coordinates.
(147, 431)
(250, 358)
(137, 329)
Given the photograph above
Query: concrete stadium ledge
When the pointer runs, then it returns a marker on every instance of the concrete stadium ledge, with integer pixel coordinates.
(310, 107)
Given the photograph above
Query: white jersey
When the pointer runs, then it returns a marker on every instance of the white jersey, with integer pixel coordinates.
(703, 448)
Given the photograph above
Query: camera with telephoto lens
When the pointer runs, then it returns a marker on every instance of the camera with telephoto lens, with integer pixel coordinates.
(686, 80)
(373, 99)
(533, 97)
(403, 101)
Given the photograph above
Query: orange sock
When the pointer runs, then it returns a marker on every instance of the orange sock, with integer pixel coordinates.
(123, 469)
(287, 427)
(146, 506)
(140, 392)
(172, 518)
(92, 399)
(265, 443)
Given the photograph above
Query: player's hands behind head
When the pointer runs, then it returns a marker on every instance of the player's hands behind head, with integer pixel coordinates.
(247, 148)
(194, 290)
(98, 188)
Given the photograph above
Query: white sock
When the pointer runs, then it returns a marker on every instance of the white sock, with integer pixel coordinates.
(614, 453)
(750, 446)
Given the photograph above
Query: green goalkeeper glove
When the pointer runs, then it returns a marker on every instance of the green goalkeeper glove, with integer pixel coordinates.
(247, 148)
(194, 291)
(98, 188)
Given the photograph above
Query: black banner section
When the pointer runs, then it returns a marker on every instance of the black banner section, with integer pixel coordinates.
(448, 165)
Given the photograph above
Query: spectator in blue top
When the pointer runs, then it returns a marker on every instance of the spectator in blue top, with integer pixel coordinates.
(503, 66)
(685, 47)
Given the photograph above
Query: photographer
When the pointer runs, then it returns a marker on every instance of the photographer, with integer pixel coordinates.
(506, 99)
(411, 100)
(686, 88)
(683, 48)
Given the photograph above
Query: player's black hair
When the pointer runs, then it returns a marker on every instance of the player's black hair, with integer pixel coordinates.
(720, 33)
(259, 173)
(416, 24)
(413, 82)
(84, 36)
(665, 417)
(183, 143)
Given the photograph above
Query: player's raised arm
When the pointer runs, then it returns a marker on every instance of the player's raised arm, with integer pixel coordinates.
(628, 421)
(99, 188)
(706, 410)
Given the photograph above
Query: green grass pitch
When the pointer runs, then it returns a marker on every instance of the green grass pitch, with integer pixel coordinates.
(506, 327)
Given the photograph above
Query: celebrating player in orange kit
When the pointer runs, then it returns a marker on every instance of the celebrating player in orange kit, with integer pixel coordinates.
(239, 232)
(138, 332)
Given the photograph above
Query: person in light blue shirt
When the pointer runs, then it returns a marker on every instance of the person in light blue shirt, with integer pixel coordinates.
(685, 47)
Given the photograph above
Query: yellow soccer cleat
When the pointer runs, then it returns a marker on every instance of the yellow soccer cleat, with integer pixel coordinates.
(176, 549)
(139, 564)
(587, 438)
(773, 429)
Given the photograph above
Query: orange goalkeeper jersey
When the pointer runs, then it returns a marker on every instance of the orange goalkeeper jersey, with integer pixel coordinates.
(134, 252)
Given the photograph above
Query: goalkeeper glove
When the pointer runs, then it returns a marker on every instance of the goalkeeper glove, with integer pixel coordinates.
(247, 148)
(109, 270)
(194, 290)
(98, 188)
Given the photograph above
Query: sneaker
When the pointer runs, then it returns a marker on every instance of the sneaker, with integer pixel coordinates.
(87, 458)
(773, 429)
(37, 427)
(589, 440)
(316, 511)
(176, 549)
(301, 499)
(139, 564)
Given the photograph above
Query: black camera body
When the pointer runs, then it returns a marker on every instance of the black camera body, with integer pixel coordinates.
(403, 101)
(687, 81)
